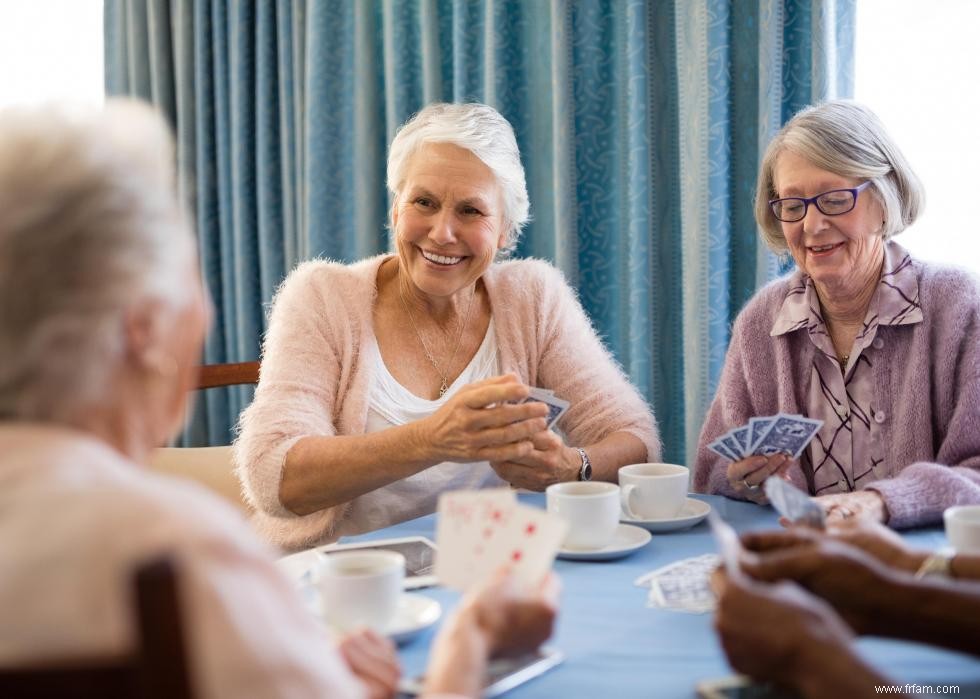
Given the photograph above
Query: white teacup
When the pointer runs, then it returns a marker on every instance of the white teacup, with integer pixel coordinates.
(591, 509)
(361, 588)
(653, 491)
(963, 528)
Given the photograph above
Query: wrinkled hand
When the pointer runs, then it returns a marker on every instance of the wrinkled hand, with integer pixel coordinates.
(512, 619)
(479, 424)
(766, 630)
(861, 504)
(879, 541)
(549, 462)
(372, 658)
(846, 577)
(747, 475)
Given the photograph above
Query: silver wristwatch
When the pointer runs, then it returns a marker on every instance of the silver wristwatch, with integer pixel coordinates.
(584, 473)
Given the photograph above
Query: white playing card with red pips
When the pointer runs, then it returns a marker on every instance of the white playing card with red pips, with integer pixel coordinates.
(478, 532)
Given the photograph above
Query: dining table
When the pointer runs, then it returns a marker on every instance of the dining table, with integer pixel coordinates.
(617, 646)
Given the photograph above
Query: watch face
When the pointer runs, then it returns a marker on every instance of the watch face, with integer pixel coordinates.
(586, 474)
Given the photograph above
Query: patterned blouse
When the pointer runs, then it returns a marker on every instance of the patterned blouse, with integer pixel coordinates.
(846, 454)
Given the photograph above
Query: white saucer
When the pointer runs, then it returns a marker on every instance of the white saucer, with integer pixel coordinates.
(415, 614)
(693, 512)
(626, 540)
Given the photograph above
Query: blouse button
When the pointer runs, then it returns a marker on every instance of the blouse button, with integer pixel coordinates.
(878, 343)
(880, 416)
(842, 484)
(842, 410)
(879, 471)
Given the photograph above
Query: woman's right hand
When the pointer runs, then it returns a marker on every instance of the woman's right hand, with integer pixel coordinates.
(500, 618)
(747, 475)
(484, 422)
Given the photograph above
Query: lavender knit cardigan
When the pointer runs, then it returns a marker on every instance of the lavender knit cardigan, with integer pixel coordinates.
(927, 383)
(316, 378)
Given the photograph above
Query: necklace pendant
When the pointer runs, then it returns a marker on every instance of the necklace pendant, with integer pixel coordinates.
(443, 388)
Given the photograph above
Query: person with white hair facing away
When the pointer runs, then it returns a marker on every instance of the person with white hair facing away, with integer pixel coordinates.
(102, 319)
(391, 380)
(882, 348)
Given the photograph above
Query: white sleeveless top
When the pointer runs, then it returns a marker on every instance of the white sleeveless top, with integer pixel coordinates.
(391, 404)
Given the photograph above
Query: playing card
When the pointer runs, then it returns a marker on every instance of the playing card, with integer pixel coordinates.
(682, 586)
(788, 434)
(741, 436)
(732, 445)
(757, 429)
(468, 524)
(793, 504)
(728, 543)
(528, 544)
(478, 532)
(719, 448)
(556, 406)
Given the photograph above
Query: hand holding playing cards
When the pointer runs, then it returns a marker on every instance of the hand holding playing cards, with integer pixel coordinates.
(499, 618)
(747, 475)
(844, 576)
(549, 462)
(372, 658)
(513, 619)
(482, 422)
(779, 633)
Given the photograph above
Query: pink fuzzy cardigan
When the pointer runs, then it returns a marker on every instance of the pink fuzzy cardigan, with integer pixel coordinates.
(927, 385)
(315, 378)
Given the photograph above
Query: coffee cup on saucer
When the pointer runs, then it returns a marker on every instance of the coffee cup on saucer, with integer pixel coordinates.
(653, 491)
(591, 509)
(360, 588)
(963, 528)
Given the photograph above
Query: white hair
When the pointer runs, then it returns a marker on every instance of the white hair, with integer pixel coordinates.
(846, 138)
(89, 225)
(481, 130)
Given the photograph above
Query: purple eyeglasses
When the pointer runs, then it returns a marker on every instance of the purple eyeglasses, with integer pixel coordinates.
(832, 203)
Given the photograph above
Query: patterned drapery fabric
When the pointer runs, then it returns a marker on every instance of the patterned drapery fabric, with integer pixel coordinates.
(640, 122)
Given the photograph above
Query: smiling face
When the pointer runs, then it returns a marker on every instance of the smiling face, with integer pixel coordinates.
(840, 252)
(448, 219)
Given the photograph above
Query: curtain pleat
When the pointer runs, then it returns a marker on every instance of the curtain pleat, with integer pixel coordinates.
(640, 124)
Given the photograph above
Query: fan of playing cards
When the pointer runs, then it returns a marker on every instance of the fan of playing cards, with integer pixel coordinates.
(765, 436)
(480, 531)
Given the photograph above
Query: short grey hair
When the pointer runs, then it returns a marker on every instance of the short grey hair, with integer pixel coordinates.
(848, 139)
(484, 132)
(89, 225)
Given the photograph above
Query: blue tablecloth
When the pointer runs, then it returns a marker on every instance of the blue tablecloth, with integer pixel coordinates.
(614, 644)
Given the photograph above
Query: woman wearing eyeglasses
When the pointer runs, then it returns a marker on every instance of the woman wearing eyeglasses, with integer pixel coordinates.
(881, 347)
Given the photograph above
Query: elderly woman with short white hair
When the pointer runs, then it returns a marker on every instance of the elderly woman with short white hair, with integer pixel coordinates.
(388, 381)
(881, 347)
(102, 318)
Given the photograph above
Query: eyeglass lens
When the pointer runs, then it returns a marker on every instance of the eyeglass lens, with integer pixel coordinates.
(830, 204)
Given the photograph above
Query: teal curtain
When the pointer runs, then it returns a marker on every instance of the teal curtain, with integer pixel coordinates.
(641, 124)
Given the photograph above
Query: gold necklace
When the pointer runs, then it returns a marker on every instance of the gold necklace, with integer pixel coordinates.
(463, 324)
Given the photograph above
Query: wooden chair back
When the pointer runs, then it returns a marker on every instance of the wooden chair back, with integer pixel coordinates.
(233, 374)
(156, 669)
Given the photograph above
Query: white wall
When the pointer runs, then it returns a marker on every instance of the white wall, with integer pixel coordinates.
(50, 49)
(918, 67)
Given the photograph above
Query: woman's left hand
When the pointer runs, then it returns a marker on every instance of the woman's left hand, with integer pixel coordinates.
(861, 503)
(550, 462)
(372, 658)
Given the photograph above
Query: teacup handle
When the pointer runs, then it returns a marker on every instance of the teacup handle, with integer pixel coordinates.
(624, 500)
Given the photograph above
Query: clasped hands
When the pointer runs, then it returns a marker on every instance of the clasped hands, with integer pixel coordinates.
(485, 422)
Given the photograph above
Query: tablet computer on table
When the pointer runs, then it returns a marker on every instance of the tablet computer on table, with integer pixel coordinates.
(502, 675)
